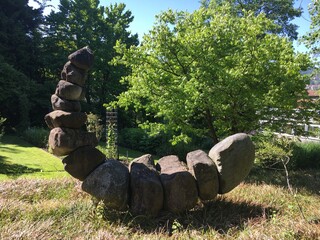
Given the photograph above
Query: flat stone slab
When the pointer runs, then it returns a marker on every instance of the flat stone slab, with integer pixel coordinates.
(180, 189)
(69, 91)
(82, 161)
(73, 74)
(109, 182)
(61, 118)
(234, 157)
(205, 172)
(63, 141)
(82, 58)
(65, 105)
(146, 188)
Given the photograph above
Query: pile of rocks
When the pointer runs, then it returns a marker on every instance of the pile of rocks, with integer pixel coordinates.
(144, 187)
(67, 136)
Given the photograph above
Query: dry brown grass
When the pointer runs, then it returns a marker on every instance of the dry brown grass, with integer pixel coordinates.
(260, 208)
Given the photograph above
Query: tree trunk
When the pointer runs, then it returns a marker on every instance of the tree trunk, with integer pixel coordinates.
(212, 130)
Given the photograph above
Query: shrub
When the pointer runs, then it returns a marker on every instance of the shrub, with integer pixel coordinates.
(306, 155)
(37, 136)
(111, 144)
(272, 150)
(138, 139)
(94, 125)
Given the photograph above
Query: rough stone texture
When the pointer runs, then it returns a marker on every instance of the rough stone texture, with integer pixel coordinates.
(83, 94)
(65, 105)
(63, 141)
(82, 58)
(234, 157)
(68, 90)
(60, 118)
(109, 182)
(180, 189)
(146, 188)
(205, 172)
(73, 74)
(82, 161)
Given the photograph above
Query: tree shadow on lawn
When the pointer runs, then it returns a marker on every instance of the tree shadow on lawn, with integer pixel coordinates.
(220, 215)
(14, 170)
(14, 140)
(305, 180)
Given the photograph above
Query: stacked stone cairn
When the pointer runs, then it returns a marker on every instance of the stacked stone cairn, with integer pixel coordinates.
(144, 187)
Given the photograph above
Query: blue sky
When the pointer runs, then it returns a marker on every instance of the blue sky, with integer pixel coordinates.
(144, 13)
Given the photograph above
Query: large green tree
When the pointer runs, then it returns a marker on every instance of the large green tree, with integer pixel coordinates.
(19, 60)
(312, 39)
(281, 12)
(80, 23)
(213, 73)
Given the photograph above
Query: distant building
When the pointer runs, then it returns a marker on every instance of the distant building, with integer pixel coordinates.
(313, 94)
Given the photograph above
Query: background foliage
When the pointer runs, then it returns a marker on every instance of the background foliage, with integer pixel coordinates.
(213, 73)
(195, 76)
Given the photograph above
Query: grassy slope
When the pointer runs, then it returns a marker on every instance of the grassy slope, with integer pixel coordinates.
(21, 159)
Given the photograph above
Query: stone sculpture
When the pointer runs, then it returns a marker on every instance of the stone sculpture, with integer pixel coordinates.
(143, 187)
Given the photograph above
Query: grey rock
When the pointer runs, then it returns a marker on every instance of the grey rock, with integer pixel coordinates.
(180, 189)
(82, 161)
(65, 105)
(82, 58)
(73, 74)
(63, 141)
(69, 91)
(146, 188)
(234, 157)
(61, 118)
(109, 182)
(205, 172)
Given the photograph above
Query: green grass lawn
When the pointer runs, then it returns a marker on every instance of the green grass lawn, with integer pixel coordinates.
(19, 159)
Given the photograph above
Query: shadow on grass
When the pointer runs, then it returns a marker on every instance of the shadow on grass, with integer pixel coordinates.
(305, 180)
(14, 170)
(220, 215)
(14, 140)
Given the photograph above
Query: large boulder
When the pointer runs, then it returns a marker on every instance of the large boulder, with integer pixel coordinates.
(63, 141)
(145, 186)
(180, 189)
(82, 161)
(234, 157)
(61, 118)
(82, 58)
(69, 91)
(65, 105)
(205, 172)
(73, 74)
(109, 182)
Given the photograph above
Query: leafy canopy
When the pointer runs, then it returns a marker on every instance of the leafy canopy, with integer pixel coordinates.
(281, 12)
(312, 39)
(213, 73)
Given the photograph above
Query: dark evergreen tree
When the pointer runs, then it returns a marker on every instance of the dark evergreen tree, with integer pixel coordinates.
(80, 23)
(19, 69)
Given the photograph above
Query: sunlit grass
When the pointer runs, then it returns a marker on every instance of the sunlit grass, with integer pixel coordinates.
(19, 159)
